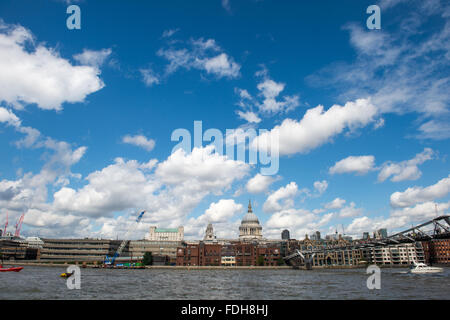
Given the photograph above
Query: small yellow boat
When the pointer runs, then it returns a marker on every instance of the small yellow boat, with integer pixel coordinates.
(65, 275)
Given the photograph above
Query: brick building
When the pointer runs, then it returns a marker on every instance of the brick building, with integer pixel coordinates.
(188, 255)
(270, 255)
(209, 254)
(437, 251)
(245, 254)
(231, 254)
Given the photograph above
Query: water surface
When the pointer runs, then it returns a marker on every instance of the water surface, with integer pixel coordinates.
(45, 283)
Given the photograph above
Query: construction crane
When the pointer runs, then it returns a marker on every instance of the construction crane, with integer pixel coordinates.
(110, 260)
(6, 225)
(19, 225)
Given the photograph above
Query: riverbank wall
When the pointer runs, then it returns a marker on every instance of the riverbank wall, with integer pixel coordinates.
(65, 264)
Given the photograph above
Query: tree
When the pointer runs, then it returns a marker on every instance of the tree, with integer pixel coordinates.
(260, 261)
(148, 259)
(280, 261)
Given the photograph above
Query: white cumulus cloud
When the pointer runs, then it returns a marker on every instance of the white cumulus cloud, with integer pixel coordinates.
(416, 195)
(405, 170)
(259, 183)
(360, 165)
(33, 73)
(93, 58)
(317, 127)
(284, 194)
(140, 141)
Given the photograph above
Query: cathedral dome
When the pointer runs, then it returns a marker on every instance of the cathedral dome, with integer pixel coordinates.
(250, 227)
(250, 217)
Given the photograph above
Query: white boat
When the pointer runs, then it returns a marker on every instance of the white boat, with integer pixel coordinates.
(423, 268)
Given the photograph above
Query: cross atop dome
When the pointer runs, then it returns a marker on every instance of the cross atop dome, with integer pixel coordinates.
(249, 206)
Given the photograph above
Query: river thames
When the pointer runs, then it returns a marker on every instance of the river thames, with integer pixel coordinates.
(44, 283)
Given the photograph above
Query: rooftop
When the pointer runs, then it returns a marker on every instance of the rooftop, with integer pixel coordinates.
(165, 230)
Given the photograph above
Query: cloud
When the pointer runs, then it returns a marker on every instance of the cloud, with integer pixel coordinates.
(149, 77)
(226, 5)
(221, 65)
(117, 187)
(386, 4)
(321, 186)
(221, 211)
(290, 218)
(169, 193)
(93, 58)
(267, 102)
(299, 222)
(204, 55)
(31, 134)
(416, 195)
(317, 127)
(259, 183)
(249, 116)
(401, 72)
(350, 211)
(335, 204)
(405, 170)
(123, 187)
(360, 165)
(398, 171)
(286, 193)
(29, 193)
(399, 219)
(177, 184)
(422, 211)
(220, 214)
(34, 74)
(434, 129)
(140, 141)
(170, 32)
(201, 168)
(270, 90)
(9, 117)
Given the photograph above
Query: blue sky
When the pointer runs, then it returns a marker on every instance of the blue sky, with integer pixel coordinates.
(86, 115)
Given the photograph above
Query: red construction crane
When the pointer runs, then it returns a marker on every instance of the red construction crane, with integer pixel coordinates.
(19, 225)
(6, 225)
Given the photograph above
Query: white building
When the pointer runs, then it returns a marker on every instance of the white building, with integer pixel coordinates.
(166, 234)
(209, 234)
(34, 242)
(404, 253)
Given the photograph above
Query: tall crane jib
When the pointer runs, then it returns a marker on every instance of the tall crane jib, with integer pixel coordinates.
(6, 224)
(19, 225)
(110, 260)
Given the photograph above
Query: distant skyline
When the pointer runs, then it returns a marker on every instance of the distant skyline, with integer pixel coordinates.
(86, 116)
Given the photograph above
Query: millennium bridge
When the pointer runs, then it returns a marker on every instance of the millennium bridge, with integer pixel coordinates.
(437, 228)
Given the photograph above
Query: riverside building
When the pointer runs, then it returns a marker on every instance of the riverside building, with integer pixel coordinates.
(231, 254)
(158, 248)
(17, 250)
(437, 251)
(80, 249)
(166, 234)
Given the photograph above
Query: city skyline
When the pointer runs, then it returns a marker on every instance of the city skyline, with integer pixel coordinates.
(86, 116)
